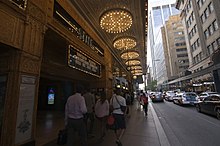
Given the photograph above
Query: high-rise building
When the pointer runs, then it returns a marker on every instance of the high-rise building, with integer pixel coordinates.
(201, 21)
(159, 12)
(175, 51)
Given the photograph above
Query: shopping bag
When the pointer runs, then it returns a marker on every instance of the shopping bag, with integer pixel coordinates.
(62, 137)
(110, 122)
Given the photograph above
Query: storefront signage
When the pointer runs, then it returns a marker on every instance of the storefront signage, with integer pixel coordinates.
(20, 3)
(197, 85)
(83, 62)
(208, 83)
(67, 21)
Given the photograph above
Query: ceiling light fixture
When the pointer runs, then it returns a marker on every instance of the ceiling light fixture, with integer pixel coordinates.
(116, 20)
(129, 55)
(132, 62)
(124, 43)
(135, 72)
(136, 67)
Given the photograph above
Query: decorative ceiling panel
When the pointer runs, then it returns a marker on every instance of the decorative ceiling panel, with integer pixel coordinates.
(92, 10)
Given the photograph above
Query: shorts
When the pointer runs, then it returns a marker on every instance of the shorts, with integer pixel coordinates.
(119, 121)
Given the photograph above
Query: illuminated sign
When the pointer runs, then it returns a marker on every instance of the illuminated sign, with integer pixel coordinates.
(67, 21)
(20, 3)
(208, 83)
(82, 62)
(50, 95)
(197, 85)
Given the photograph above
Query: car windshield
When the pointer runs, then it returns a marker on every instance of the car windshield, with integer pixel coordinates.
(212, 93)
(191, 94)
(170, 93)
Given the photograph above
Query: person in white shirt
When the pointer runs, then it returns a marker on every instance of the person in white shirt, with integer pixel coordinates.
(102, 112)
(117, 101)
(75, 109)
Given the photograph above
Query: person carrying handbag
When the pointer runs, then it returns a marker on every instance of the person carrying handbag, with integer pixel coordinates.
(102, 112)
(118, 102)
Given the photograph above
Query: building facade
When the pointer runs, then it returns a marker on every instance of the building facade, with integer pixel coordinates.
(201, 21)
(175, 51)
(159, 12)
(47, 48)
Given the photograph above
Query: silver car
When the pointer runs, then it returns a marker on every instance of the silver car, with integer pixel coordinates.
(206, 94)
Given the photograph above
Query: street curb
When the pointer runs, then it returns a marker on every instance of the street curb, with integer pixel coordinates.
(160, 131)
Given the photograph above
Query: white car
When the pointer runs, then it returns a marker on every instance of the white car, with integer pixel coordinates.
(205, 94)
(186, 98)
(169, 95)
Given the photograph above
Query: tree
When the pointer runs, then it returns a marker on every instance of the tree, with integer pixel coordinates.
(152, 85)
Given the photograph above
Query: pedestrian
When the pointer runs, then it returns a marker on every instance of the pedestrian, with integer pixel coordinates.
(90, 116)
(75, 109)
(117, 101)
(144, 99)
(128, 104)
(102, 112)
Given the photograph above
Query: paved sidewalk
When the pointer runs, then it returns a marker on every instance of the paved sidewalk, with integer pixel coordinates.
(141, 131)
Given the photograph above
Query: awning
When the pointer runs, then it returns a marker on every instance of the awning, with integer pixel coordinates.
(197, 74)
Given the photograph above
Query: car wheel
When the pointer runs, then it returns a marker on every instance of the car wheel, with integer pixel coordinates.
(198, 108)
(218, 113)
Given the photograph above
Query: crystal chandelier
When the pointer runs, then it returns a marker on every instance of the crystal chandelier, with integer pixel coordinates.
(116, 20)
(124, 43)
(137, 67)
(132, 62)
(129, 55)
(136, 72)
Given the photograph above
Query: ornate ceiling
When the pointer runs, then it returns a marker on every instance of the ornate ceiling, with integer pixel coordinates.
(93, 10)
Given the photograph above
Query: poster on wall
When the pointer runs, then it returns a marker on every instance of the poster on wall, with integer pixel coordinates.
(25, 109)
(2, 98)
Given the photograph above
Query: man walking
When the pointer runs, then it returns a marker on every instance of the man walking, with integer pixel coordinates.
(74, 112)
(90, 104)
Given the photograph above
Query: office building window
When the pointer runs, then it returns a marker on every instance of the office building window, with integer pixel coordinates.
(211, 31)
(198, 42)
(215, 45)
(181, 49)
(215, 25)
(206, 12)
(210, 49)
(202, 18)
(206, 33)
(218, 41)
(182, 55)
(211, 8)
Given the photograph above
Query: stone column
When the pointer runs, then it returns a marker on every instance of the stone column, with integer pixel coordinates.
(21, 38)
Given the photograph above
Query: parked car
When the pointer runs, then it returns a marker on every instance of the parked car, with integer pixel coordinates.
(158, 96)
(183, 98)
(210, 105)
(169, 95)
(205, 94)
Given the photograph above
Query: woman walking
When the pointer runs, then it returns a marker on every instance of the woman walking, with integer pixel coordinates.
(102, 112)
